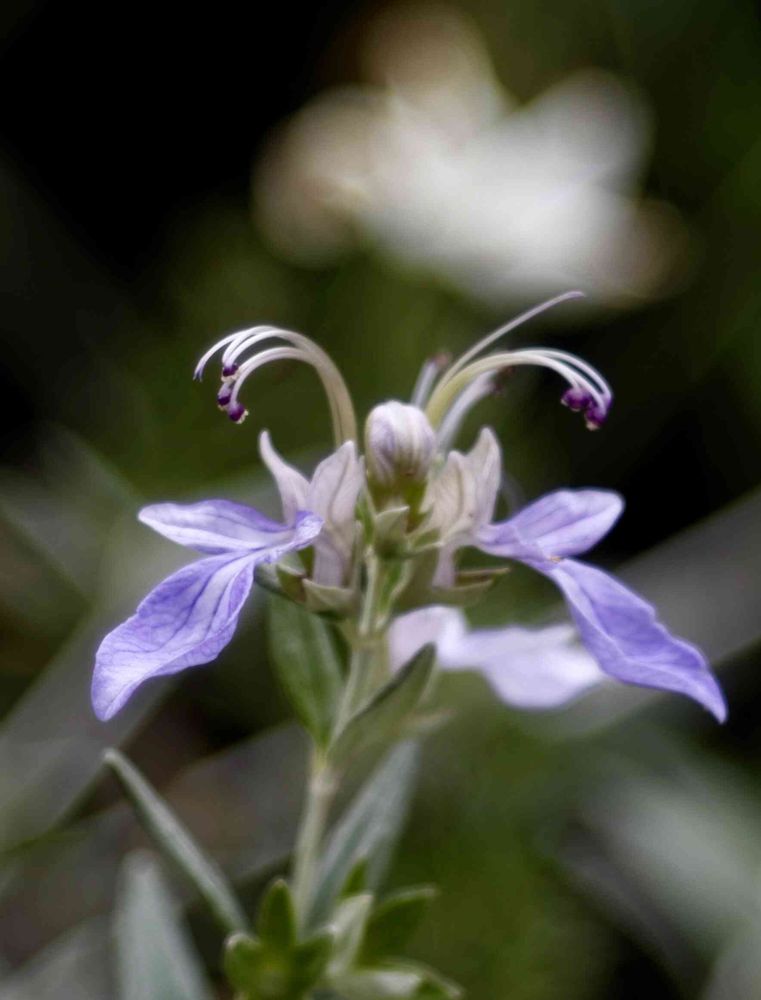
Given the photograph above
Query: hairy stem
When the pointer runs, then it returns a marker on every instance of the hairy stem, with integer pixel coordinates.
(320, 791)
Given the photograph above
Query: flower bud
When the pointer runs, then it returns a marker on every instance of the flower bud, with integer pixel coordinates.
(400, 445)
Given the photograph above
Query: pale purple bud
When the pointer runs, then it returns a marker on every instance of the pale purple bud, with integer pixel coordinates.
(400, 445)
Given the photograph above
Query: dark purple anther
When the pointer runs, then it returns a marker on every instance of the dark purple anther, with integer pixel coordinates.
(229, 370)
(577, 399)
(594, 416)
(237, 413)
(223, 396)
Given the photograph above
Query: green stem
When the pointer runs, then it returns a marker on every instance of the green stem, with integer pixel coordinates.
(366, 670)
(366, 641)
(320, 791)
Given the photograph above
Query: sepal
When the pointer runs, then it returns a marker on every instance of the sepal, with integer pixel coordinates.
(389, 530)
(334, 602)
(469, 588)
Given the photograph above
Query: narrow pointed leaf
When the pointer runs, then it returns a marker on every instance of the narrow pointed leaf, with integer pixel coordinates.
(434, 986)
(176, 843)
(277, 921)
(244, 956)
(307, 665)
(385, 717)
(154, 958)
(356, 880)
(368, 829)
(380, 984)
(393, 922)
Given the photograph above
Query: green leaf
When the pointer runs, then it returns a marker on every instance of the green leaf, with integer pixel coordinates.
(356, 880)
(394, 920)
(243, 955)
(368, 829)
(260, 970)
(154, 958)
(433, 985)
(307, 665)
(312, 955)
(385, 716)
(277, 920)
(176, 843)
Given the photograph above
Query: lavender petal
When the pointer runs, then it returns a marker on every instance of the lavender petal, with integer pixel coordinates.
(190, 617)
(217, 526)
(528, 668)
(185, 621)
(563, 523)
(622, 632)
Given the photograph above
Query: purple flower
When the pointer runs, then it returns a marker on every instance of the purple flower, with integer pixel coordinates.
(191, 616)
(617, 627)
(527, 667)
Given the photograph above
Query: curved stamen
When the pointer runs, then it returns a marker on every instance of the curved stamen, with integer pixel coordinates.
(427, 377)
(208, 355)
(478, 389)
(235, 410)
(491, 338)
(589, 393)
(583, 366)
(304, 349)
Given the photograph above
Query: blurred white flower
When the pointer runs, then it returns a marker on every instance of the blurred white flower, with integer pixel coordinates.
(434, 163)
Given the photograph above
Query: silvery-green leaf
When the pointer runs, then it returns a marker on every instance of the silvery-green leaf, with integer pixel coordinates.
(434, 986)
(348, 924)
(368, 829)
(386, 715)
(174, 841)
(393, 921)
(379, 984)
(155, 960)
(397, 980)
(307, 664)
